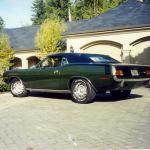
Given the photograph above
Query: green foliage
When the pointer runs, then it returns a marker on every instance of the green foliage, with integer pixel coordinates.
(4, 87)
(39, 12)
(49, 36)
(49, 9)
(58, 8)
(80, 9)
(6, 53)
(1, 23)
(86, 9)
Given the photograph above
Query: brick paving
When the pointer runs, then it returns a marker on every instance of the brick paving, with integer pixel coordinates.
(46, 121)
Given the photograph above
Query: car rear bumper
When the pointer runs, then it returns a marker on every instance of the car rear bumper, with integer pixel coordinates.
(128, 84)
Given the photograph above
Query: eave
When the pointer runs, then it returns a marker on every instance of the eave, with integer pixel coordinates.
(26, 50)
(106, 31)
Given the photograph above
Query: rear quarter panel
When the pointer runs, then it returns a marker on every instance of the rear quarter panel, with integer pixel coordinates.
(96, 74)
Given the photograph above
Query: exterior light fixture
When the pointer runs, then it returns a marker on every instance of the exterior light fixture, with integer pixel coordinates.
(71, 49)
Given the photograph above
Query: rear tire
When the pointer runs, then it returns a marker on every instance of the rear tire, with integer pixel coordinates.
(120, 93)
(82, 92)
(17, 88)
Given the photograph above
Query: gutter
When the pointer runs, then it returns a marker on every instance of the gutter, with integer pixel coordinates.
(26, 50)
(104, 31)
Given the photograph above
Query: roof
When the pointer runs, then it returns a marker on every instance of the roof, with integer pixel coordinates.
(132, 13)
(22, 38)
(75, 54)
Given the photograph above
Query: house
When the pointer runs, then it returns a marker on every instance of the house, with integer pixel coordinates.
(122, 32)
(22, 40)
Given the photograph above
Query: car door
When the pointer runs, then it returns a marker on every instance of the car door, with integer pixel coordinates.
(46, 75)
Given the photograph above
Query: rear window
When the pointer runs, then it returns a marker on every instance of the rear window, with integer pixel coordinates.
(90, 58)
(102, 59)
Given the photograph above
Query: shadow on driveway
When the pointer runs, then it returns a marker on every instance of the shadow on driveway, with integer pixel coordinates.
(99, 98)
(108, 98)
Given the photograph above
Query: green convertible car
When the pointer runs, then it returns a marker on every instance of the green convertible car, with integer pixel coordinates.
(82, 75)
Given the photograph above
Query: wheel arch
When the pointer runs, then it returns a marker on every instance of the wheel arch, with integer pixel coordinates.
(13, 77)
(80, 77)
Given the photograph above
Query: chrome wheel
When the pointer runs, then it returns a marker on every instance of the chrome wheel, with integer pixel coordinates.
(17, 87)
(80, 91)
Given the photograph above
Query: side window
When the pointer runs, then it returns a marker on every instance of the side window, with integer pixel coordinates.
(46, 63)
(64, 61)
(53, 62)
(56, 61)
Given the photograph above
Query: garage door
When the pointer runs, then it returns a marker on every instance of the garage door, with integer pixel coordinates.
(112, 51)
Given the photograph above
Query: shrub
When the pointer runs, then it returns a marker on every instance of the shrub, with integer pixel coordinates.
(4, 87)
(6, 54)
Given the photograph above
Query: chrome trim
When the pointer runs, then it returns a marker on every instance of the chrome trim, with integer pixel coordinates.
(48, 90)
(80, 90)
(130, 80)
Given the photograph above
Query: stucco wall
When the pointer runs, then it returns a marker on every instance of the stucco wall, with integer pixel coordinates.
(104, 49)
(24, 57)
(125, 38)
(138, 49)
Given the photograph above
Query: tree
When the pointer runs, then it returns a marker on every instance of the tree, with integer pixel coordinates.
(86, 9)
(1, 23)
(57, 8)
(78, 10)
(6, 54)
(49, 36)
(39, 12)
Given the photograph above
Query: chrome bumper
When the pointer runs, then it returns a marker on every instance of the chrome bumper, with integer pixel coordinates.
(128, 83)
(131, 80)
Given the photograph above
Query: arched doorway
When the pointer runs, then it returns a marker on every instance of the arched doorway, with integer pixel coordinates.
(17, 63)
(140, 51)
(32, 61)
(110, 48)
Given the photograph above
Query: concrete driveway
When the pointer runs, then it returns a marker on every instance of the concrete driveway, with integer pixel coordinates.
(46, 121)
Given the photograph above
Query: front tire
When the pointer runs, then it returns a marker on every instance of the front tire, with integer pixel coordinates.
(120, 93)
(82, 91)
(17, 88)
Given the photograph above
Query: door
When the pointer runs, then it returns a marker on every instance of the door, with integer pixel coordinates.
(46, 75)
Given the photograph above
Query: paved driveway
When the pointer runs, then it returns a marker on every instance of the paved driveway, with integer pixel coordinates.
(52, 122)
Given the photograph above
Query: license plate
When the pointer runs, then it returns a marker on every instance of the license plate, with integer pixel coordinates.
(134, 72)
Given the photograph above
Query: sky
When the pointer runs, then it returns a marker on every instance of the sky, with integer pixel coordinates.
(16, 13)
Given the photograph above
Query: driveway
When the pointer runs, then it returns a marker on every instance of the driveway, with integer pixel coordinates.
(46, 121)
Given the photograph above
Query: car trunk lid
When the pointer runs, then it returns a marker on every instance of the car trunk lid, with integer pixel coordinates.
(131, 71)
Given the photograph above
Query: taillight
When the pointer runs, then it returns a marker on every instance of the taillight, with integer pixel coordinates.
(119, 73)
(147, 72)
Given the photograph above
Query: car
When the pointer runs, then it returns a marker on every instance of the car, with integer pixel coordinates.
(147, 85)
(80, 74)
